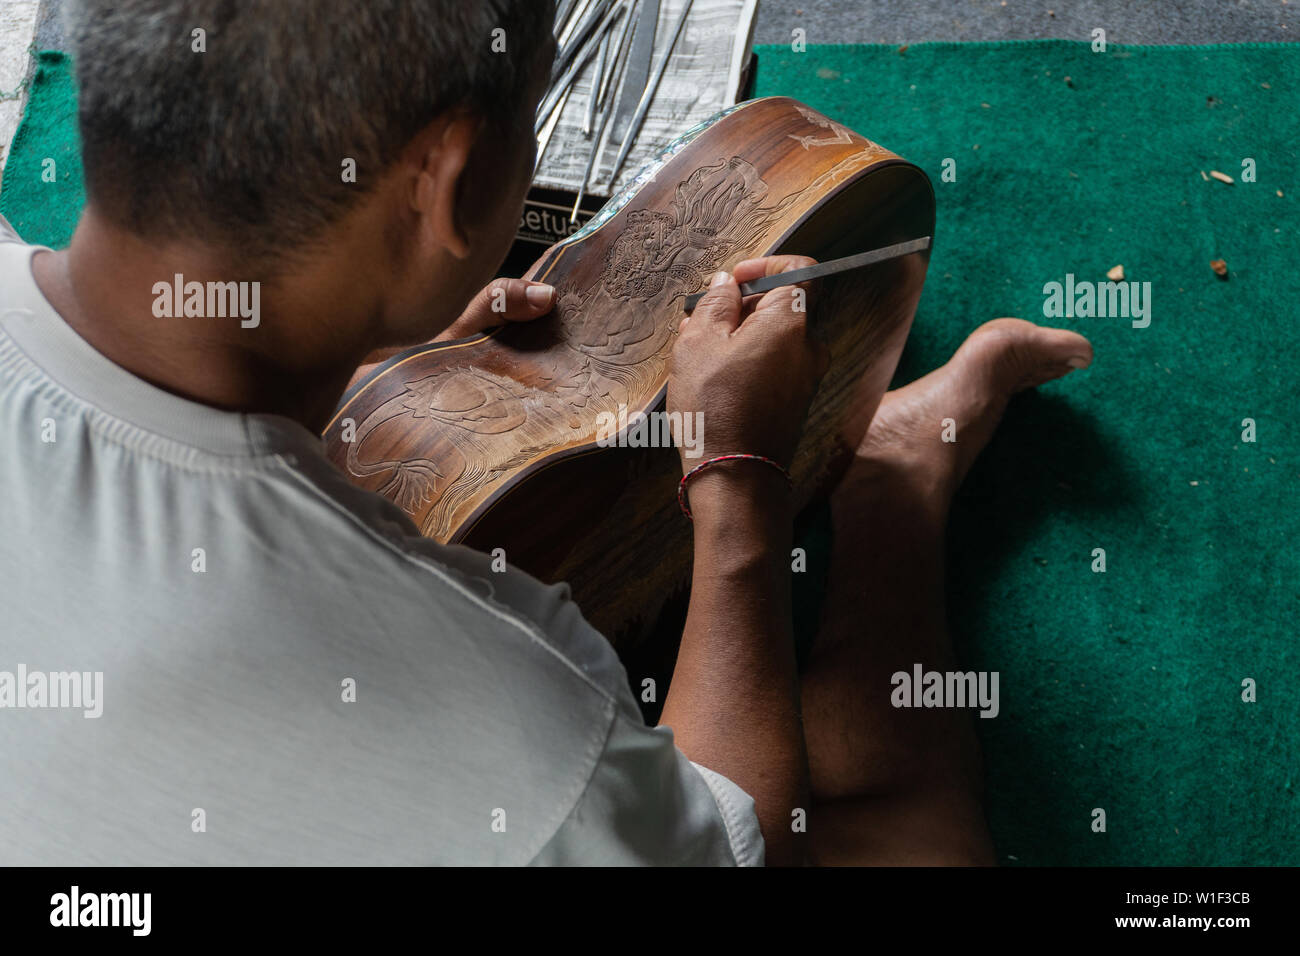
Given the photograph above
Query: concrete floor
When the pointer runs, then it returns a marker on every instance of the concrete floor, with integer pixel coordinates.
(1125, 21)
(36, 25)
(17, 23)
(913, 21)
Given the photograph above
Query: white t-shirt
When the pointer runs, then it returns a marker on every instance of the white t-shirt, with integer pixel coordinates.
(284, 671)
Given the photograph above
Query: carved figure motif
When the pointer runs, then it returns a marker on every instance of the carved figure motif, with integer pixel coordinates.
(615, 343)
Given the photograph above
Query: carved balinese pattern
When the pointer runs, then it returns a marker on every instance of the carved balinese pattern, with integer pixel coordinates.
(840, 135)
(615, 337)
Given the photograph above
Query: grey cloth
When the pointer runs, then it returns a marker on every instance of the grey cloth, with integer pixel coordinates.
(228, 586)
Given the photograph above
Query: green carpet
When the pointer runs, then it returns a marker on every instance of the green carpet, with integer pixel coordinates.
(43, 211)
(1122, 690)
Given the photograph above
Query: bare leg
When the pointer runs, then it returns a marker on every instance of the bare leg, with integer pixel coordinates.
(893, 785)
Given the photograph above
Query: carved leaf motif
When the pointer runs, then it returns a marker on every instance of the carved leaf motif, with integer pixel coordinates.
(614, 330)
(466, 398)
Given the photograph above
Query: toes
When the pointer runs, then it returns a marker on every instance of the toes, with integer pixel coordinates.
(1019, 355)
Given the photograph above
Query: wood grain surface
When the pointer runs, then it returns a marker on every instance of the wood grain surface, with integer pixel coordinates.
(492, 441)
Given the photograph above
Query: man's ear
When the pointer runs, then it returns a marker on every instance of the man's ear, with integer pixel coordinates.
(443, 162)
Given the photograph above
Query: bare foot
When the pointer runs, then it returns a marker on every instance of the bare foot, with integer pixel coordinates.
(905, 443)
(885, 608)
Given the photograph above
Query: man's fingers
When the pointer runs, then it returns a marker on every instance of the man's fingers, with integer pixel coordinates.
(720, 306)
(784, 309)
(502, 300)
(511, 300)
(752, 269)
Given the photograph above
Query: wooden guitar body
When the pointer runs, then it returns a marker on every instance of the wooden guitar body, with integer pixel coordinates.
(492, 441)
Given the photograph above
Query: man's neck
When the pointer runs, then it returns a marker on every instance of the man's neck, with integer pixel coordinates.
(293, 357)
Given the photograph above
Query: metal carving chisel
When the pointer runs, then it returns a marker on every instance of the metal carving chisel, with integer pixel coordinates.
(562, 16)
(598, 77)
(651, 87)
(544, 138)
(576, 36)
(597, 144)
(637, 74)
(560, 89)
(822, 269)
(618, 60)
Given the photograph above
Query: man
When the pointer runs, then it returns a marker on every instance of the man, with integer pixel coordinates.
(283, 671)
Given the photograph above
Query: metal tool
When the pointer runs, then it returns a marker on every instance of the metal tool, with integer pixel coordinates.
(640, 55)
(648, 95)
(598, 77)
(580, 42)
(562, 86)
(562, 12)
(821, 270)
(606, 111)
(584, 15)
(544, 138)
(616, 64)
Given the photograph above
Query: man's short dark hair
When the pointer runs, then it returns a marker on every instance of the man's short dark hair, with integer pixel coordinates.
(245, 144)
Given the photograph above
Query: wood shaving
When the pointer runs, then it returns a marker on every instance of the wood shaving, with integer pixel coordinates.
(1221, 177)
(1115, 274)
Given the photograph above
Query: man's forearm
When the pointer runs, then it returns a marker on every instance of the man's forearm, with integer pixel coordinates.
(733, 703)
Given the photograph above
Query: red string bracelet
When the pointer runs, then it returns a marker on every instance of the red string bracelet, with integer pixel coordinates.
(709, 463)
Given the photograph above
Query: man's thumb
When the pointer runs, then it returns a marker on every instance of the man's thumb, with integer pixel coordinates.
(721, 303)
(511, 299)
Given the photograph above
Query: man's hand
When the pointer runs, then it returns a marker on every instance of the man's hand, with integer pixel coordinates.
(751, 368)
(501, 301)
(750, 365)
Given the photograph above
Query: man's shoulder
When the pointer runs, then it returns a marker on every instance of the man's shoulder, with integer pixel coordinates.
(15, 254)
(502, 600)
(334, 648)
(494, 675)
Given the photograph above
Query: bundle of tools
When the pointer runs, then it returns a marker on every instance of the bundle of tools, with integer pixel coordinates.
(618, 37)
